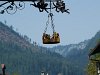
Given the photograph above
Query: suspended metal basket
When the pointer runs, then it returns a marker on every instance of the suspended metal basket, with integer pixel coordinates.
(50, 39)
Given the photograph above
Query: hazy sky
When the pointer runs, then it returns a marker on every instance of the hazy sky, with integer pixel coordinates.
(81, 24)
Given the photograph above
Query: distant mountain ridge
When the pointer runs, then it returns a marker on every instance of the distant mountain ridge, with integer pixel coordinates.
(64, 50)
(67, 49)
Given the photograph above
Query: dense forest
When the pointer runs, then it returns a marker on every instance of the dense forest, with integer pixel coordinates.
(25, 57)
(22, 57)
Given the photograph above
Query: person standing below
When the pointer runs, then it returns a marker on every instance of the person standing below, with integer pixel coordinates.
(3, 68)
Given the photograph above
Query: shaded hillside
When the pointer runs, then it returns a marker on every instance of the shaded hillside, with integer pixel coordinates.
(24, 58)
(7, 34)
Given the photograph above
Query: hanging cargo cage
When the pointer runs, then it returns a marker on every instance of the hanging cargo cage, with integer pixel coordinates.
(47, 38)
(54, 39)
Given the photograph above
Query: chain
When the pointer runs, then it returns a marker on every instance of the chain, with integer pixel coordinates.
(52, 24)
(47, 23)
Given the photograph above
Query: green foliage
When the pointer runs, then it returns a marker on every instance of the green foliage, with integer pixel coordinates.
(91, 69)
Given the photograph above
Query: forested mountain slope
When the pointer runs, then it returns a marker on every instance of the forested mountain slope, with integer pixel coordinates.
(21, 57)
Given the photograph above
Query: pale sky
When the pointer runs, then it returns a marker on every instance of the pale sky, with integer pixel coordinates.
(81, 24)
